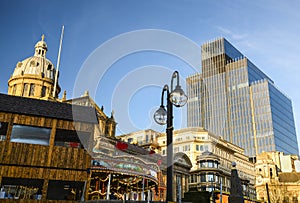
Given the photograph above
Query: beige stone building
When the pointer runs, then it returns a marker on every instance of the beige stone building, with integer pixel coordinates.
(278, 176)
(211, 157)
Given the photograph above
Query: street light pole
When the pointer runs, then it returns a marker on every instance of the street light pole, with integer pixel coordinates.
(169, 132)
(162, 116)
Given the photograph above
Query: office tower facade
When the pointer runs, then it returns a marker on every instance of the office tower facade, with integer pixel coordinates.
(236, 100)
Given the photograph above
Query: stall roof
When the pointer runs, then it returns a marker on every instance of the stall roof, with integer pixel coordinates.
(48, 109)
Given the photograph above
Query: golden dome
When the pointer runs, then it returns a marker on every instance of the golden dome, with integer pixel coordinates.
(36, 71)
(38, 64)
(35, 65)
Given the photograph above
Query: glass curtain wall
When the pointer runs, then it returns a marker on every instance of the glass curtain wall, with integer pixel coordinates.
(236, 100)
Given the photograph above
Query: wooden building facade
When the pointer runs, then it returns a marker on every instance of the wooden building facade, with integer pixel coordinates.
(42, 153)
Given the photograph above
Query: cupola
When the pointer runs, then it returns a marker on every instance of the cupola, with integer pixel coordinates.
(34, 77)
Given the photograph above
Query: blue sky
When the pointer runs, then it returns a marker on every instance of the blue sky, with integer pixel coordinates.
(266, 31)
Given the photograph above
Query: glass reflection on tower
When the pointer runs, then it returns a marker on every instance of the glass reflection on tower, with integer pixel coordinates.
(234, 99)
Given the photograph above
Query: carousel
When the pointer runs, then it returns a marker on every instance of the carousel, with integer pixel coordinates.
(123, 171)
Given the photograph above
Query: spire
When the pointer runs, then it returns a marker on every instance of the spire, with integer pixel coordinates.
(112, 114)
(43, 37)
(86, 93)
(64, 98)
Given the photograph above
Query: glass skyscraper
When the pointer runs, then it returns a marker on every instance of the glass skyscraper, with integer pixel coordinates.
(234, 99)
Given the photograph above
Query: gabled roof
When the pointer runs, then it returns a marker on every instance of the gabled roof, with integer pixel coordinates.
(48, 109)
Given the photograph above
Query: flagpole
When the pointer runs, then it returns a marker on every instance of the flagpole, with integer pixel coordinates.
(58, 61)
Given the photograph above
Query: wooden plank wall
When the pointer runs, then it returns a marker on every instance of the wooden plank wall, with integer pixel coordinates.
(35, 201)
(37, 155)
(44, 122)
(20, 160)
(42, 173)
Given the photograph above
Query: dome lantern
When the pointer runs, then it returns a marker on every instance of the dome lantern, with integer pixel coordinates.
(41, 48)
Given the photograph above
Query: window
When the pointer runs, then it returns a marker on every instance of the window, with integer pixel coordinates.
(186, 148)
(106, 130)
(22, 188)
(14, 90)
(178, 139)
(43, 92)
(216, 164)
(64, 190)
(30, 135)
(197, 147)
(31, 90)
(3, 130)
(210, 177)
(271, 173)
(25, 90)
(129, 140)
(217, 178)
(70, 138)
(203, 164)
(203, 178)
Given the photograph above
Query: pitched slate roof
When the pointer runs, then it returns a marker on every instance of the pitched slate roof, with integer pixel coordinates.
(49, 109)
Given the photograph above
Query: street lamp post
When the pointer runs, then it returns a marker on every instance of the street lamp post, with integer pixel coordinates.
(162, 116)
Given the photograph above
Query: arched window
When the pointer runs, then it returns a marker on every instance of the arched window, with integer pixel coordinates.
(14, 89)
(43, 92)
(31, 90)
(25, 90)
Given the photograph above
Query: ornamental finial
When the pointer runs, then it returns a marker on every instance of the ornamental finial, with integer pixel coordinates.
(43, 37)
